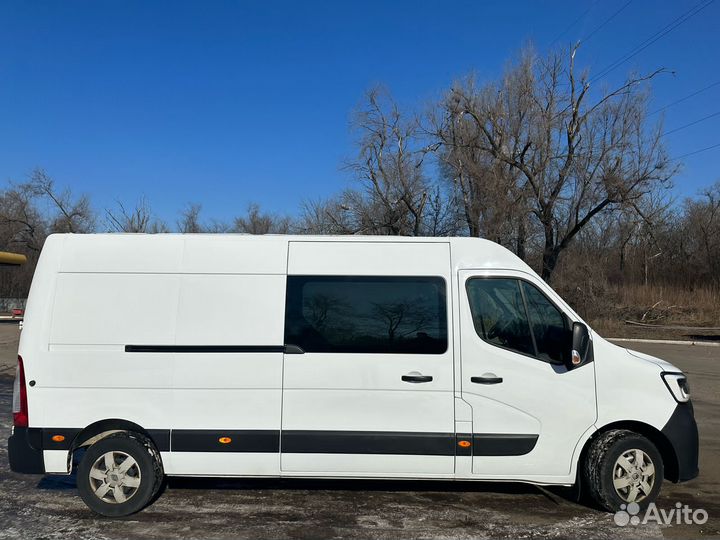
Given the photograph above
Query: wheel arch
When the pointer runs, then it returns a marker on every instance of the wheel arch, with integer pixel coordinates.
(102, 428)
(654, 435)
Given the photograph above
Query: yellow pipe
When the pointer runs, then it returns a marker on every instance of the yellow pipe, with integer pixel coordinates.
(14, 259)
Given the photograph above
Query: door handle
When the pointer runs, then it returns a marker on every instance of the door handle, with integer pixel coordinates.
(416, 378)
(488, 378)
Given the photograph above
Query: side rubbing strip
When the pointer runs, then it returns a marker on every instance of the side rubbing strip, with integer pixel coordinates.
(204, 348)
(191, 440)
(368, 442)
(463, 444)
(489, 444)
(65, 443)
(317, 442)
(161, 438)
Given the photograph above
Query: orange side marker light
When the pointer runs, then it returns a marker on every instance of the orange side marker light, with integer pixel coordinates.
(58, 438)
(225, 440)
(464, 444)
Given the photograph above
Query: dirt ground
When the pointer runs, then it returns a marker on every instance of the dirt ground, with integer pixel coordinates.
(9, 335)
(48, 507)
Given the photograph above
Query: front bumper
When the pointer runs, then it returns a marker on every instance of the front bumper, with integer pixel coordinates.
(682, 432)
(25, 451)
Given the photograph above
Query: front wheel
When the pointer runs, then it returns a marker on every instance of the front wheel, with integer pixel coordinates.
(119, 475)
(622, 467)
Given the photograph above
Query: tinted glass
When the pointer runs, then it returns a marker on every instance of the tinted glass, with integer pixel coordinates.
(366, 314)
(499, 314)
(548, 325)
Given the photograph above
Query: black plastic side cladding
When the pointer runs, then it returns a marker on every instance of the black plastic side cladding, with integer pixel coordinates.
(25, 451)
(682, 432)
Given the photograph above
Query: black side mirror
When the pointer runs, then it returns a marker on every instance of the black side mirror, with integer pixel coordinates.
(581, 351)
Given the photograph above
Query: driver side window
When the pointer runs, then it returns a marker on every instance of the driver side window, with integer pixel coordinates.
(499, 314)
(515, 315)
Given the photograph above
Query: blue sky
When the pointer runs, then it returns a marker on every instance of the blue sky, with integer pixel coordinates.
(227, 103)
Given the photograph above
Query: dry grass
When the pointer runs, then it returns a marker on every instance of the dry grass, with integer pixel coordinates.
(607, 308)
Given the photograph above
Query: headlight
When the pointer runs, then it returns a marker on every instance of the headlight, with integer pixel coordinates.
(678, 386)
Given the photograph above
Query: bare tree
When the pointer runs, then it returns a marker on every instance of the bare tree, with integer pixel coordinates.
(320, 306)
(442, 215)
(22, 225)
(189, 221)
(139, 219)
(702, 225)
(395, 193)
(402, 317)
(217, 226)
(70, 215)
(331, 216)
(563, 156)
(31, 211)
(492, 201)
(258, 222)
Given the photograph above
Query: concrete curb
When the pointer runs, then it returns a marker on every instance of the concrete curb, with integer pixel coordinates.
(668, 341)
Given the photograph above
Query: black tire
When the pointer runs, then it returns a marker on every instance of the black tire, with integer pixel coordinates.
(600, 462)
(149, 465)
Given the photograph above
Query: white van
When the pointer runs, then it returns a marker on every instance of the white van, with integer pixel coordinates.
(342, 357)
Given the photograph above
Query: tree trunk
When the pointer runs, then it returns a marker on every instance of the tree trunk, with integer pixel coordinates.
(551, 252)
(473, 223)
(550, 260)
(521, 236)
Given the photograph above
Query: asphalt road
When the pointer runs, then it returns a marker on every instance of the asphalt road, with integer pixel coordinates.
(48, 507)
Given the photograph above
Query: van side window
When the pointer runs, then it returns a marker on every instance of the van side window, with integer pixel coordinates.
(515, 315)
(366, 314)
(499, 315)
(548, 324)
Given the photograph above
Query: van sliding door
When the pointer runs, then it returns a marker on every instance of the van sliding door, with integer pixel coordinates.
(368, 366)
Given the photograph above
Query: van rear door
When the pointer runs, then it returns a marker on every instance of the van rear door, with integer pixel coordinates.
(368, 367)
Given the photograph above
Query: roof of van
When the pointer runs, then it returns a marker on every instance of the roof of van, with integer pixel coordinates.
(170, 252)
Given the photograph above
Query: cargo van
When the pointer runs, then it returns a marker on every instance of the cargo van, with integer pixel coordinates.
(333, 357)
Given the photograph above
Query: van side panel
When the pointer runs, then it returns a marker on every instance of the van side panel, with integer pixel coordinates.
(103, 309)
(122, 253)
(94, 317)
(233, 394)
(369, 258)
(234, 254)
(231, 310)
(88, 376)
(137, 328)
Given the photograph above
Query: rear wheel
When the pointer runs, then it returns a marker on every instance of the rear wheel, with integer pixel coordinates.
(120, 474)
(623, 467)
